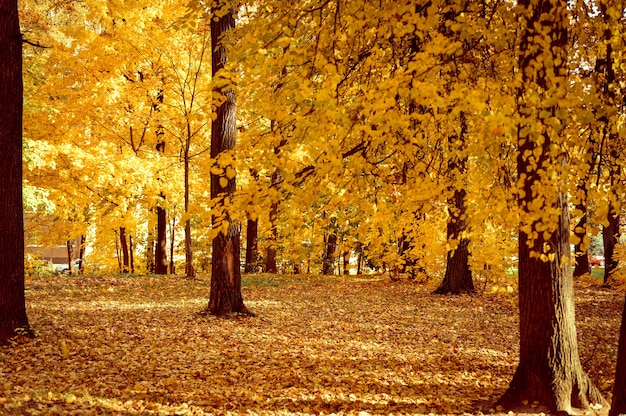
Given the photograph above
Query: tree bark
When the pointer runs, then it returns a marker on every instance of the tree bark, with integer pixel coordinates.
(581, 247)
(225, 297)
(252, 246)
(618, 404)
(189, 269)
(160, 261)
(150, 256)
(329, 254)
(70, 268)
(13, 317)
(125, 257)
(458, 277)
(549, 372)
(610, 235)
(81, 255)
(131, 252)
(346, 262)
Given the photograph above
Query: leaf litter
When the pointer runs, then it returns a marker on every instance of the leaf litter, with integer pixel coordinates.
(138, 345)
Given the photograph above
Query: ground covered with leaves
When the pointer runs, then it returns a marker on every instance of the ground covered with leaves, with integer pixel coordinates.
(139, 345)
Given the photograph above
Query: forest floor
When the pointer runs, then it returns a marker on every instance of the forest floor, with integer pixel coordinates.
(348, 345)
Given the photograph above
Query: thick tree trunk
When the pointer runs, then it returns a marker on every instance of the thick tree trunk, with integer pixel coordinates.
(610, 235)
(225, 297)
(549, 371)
(458, 277)
(125, 257)
(329, 254)
(12, 299)
(160, 259)
(252, 246)
(618, 404)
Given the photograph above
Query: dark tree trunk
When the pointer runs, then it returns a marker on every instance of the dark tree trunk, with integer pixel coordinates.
(346, 262)
(160, 260)
(150, 257)
(160, 254)
(225, 297)
(252, 245)
(549, 372)
(172, 235)
(581, 247)
(458, 277)
(12, 299)
(70, 266)
(329, 254)
(610, 235)
(189, 269)
(125, 257)
(618, 404)
(81, 255)
(131, 252)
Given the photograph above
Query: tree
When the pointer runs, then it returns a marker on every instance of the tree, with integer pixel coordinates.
(12, 300)
(549, 371)
(458, 277)
(225, 296)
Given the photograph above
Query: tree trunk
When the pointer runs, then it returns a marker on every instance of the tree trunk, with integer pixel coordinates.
(225, 297)
(346, 262)
(125, 257)
(618, 404)
(150, 257)
(160, 260)
(252, 245)
(610, 235)
(12, 300)
(189, 270)
(172, 240)
(458, 277)
(581, 247)
(70, 267)
(131, 252)
(549, 372)
(81, 255)
(329, 254)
